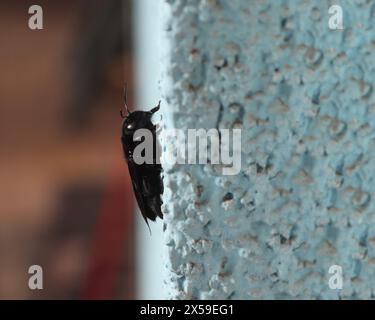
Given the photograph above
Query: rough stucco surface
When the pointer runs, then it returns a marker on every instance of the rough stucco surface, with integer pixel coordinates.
(304, 199)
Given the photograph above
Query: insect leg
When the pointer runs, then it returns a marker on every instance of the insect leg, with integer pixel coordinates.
(125, 97)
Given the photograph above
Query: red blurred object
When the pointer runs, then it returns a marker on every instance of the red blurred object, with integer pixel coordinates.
(113, 229)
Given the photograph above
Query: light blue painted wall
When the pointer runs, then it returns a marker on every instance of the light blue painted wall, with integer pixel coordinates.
(303, 201)
(150, 250)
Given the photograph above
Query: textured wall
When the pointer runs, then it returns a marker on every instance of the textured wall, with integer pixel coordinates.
(303, 201)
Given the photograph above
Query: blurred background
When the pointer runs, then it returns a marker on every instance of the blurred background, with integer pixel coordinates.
(66, 201)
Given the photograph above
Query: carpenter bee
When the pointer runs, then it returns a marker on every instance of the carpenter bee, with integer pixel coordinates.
(146, 178)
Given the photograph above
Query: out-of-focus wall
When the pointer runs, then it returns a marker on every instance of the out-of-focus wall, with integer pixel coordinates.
(61, 161)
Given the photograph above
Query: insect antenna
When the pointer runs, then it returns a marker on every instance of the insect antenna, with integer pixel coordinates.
(153, 110)
(125, 96)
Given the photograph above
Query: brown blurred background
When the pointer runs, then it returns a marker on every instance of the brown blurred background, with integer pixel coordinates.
(65, 197)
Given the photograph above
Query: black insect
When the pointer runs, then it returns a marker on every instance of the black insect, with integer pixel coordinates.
(146, 178)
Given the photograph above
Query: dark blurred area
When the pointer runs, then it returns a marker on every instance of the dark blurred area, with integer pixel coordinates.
(65, 197)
